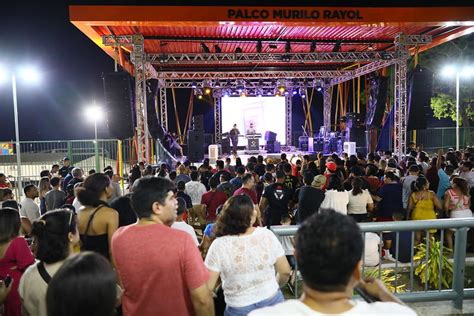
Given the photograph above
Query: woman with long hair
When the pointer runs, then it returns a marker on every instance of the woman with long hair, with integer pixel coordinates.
(96, 220)
(360, 201)
(15, 257)
(55, 234)
(456, 204)
(422, 203)
(336, 197)
(246, 259)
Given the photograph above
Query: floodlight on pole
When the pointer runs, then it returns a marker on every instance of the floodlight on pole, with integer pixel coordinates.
(457, 71)
(26, 74)
(94, 113)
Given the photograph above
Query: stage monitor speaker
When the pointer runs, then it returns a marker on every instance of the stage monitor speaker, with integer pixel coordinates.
(154, 127)
(198, 123)
(419, 98)
(273, 147)
(378, 90)
(270, 136)
(119, 104)
(195, 146)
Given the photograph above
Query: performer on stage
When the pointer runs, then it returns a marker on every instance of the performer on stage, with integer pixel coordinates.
(234, 138)
(251, 129)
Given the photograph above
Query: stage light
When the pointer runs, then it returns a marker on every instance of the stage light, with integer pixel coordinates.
(319, 88)
(194, 85)
(281, 89)
(205, 49)
(269, 92)
(163, 59)
(259, 47)
(295, 92)
(385, 56)
(243, 94)
(207, 90)
(217, 84)
(337, 47)
(285, 58)
(370, 47)
(199, 96)
(287, 47)
(217, 49)
(238, 50)
(312, 48)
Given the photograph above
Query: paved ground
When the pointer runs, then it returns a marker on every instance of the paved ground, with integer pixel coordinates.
(441, 308)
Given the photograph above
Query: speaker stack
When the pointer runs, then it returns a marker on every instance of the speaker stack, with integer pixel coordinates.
(419, 98)
(196, 139)
(272, 145)
(119, 104)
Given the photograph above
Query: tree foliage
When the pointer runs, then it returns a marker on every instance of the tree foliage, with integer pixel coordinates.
(459, 51)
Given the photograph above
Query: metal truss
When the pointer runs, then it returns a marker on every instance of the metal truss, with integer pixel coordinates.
(163, 109)
(327, 105)
(402, 43)
(217, 120)
(366, 69)
(223, 75)
(288, 116)
(142, 72)
(232, 58)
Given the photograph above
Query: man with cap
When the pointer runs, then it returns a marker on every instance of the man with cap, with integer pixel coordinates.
(310, 195)
(330, 170)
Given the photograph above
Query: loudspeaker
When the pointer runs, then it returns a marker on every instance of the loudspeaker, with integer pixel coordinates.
(378, 89)
(273, 147)
(270, 136)
(195, 146)
(198, 123)
(119, 104)
(154, 127)
(419, 98)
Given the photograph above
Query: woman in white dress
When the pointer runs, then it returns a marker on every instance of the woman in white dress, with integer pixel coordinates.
(456, 204)
(246, 259)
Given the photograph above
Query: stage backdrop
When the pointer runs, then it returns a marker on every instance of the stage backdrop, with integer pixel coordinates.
(263, 113)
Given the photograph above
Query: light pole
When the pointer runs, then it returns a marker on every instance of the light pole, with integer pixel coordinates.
(95, 113)
(457, 71)
(31, 75)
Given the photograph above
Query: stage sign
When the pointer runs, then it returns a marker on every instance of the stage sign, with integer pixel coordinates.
(6, 149)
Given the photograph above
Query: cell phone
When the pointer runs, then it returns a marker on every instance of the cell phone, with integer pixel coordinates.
(366, 296)
(7, 280)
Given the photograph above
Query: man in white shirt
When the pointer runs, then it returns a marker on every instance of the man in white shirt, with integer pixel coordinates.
(195, 189)
(328, 252)
(29, 209)
(180, 224)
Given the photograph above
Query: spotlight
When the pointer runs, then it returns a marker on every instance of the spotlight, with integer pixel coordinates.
(226, 93)
(285, 58)
(319, 88)
(370, 47)
(194, 85)
(199, 96)
(207, 90)
(269, 92)
(243, 93)
(163, 59)
(295, 92)
(288, 47)
(281, 89)
(385, 56)
(259, 47)
(217, 84)
(205, 49)
(312, 48)
(337, 47)
(238, 50)
(217, 49)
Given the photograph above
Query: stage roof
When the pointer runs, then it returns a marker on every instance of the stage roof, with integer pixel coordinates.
(182, 29)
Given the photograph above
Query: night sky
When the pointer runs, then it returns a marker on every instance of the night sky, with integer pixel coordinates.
(39, 33)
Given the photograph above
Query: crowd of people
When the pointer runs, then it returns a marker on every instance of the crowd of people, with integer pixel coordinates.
(193, 240)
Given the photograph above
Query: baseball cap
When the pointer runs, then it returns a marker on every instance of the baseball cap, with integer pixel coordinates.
(331, 165)
(318, 181)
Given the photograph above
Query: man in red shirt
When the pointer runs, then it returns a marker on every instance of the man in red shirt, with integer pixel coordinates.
(213, 199)
(248, 188)
(160, 268)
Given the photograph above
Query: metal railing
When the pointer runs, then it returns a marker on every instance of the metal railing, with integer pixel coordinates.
(442, 137)
(456, 293)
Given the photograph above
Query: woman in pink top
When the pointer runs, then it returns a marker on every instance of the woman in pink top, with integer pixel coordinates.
(456, 204)
(15, 257)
